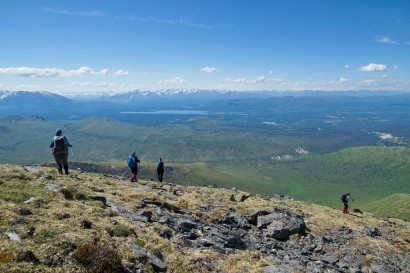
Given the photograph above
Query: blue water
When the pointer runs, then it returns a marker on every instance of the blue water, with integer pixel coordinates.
(168, 112)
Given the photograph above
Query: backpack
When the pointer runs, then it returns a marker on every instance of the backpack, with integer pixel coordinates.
(344, 197)
(60, 146)
(160, 165)
(131, 162)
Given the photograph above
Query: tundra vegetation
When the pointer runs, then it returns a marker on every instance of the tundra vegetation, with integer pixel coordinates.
(92, 222)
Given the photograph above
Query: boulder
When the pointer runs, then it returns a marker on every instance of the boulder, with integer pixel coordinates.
(373, 232)
(281, 225)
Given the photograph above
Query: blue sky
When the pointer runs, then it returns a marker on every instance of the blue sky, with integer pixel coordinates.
(92, 46)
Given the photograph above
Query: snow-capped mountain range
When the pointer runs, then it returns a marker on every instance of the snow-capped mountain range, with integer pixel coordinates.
(39, 98)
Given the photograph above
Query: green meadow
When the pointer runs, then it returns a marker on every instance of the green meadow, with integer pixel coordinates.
(373, 175)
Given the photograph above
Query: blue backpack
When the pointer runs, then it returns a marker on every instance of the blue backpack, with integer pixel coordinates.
(131, 162)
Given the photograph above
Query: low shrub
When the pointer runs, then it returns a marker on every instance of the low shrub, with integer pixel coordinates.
(121, 231)
(98, 258)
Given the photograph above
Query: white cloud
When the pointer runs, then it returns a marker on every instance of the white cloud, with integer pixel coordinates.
(50, 72)
(346, 66)
(176, 80)
(91, 84)
(386, 77)
(121, 73)
(251, 81)
(368, 82)
(260, 79)
(182, 22)
(407, 43)
(209, 69)
(270, 72)
(71, 13)
(385, 40)
(241, 80)
(343, 80)
(395, 67)
(374, 67)
(102, 72)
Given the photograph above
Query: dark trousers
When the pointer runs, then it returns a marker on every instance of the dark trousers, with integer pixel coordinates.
(160, 174)
(346, 206)
(134, 171)
(62, 160)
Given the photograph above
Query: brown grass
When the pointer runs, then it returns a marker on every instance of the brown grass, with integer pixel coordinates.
(57, 223)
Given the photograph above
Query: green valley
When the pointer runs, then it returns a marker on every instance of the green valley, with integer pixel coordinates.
(228, 158)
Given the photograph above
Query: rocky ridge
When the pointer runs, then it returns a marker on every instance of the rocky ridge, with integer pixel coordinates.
(88, 222)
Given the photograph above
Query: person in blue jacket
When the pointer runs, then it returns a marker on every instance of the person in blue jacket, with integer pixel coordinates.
(133, 165)
(59, 144)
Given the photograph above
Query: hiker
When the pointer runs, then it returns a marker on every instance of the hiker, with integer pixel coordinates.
(133, 164)
(160, 169)
(59, 144)
(346, 201)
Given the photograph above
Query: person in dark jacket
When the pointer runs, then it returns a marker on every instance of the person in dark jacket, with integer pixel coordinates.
(133, 162)
(60, 144)
(160, 169)
(346, 200)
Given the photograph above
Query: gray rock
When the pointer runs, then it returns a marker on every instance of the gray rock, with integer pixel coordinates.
(237, 221)
(45, 175)
(178, 192)
(31, 169)
(235, 242)
(13, 235)
(373, 232)
(144, 188)
(28, 201)
(206, 208)
(281, 225)
(138, 216)
(328, 259)
(206, 242)
(184, 225)
(53, 186)
(274, 269)
(327, 239)
(156, 262)
(242, 197)
(253, 218)
(239, 197)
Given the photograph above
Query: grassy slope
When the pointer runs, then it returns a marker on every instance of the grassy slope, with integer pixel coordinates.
(369, 173)
(59, 234)
(397, 205)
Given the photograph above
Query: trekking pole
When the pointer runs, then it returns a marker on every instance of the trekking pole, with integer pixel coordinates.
(124, 173)
(71, 151)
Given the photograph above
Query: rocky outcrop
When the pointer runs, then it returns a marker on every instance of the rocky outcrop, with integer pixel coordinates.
(64, 222)
(278, 234)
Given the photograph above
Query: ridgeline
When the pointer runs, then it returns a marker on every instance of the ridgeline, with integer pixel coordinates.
(92, 222)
